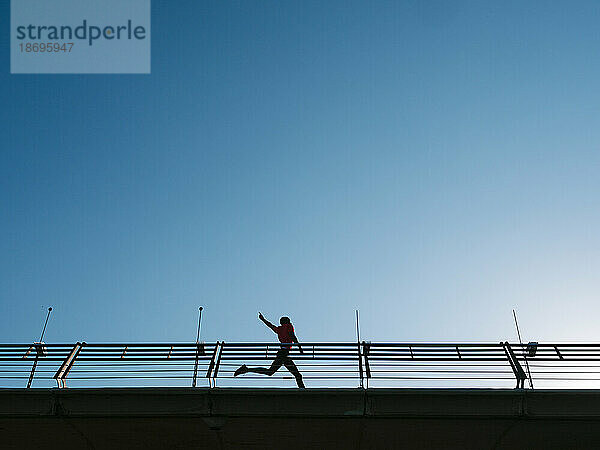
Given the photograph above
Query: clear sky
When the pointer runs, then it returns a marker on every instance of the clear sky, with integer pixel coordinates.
(434, 164)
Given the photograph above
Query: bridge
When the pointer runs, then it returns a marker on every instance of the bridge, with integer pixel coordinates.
(359, 396)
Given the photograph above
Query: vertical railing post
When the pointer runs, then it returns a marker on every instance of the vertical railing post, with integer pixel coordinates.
(514, 365)
(366, 350)
(31, 374)
(218, 363)
(40, 351)
(360, 366)
(531, 347)
(211, 364)
(67, 364)
(196, 364)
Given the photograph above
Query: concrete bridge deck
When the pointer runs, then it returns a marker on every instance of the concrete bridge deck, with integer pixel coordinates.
(186, 418)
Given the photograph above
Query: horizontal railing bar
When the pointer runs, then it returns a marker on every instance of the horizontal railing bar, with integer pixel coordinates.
(136, 354)
(172, 358)
(348, 344)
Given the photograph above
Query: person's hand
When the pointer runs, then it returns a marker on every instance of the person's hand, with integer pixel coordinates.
(260, 316)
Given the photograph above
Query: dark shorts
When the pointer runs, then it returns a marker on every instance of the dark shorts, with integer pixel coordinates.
(283, 359)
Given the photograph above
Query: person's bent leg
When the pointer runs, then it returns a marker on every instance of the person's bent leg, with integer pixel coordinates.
(291, 366)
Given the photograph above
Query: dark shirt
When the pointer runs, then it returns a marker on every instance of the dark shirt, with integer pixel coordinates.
(284, 333)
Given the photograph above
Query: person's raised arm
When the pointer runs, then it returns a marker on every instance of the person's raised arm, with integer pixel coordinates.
(267, 323)
(295, 340)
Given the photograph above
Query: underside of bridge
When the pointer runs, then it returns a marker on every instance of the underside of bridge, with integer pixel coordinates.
(172, 418)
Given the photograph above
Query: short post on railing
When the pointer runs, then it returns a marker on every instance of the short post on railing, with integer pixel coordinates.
(211, 364)
(218, 363)
(199, 351)
(515, 365)
(366, 350)
(64, 369)
(40, 352)
(360, 366)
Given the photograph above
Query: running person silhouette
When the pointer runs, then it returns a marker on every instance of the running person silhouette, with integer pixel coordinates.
(286, 335)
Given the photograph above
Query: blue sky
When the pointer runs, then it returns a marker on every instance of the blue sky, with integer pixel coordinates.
(434, 164)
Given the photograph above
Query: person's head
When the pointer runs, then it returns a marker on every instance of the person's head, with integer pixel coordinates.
(284, 320)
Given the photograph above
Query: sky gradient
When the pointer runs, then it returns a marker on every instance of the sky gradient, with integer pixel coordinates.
(434, 164)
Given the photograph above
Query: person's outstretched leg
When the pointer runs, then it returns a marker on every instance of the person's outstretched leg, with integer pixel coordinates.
(277, 363)
(291, 366)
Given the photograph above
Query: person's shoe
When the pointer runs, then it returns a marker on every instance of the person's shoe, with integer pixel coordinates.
(241, 370)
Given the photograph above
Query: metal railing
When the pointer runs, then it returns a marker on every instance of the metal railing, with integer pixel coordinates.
(365, 364)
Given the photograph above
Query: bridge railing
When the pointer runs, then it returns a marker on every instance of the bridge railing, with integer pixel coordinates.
(365, 364)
